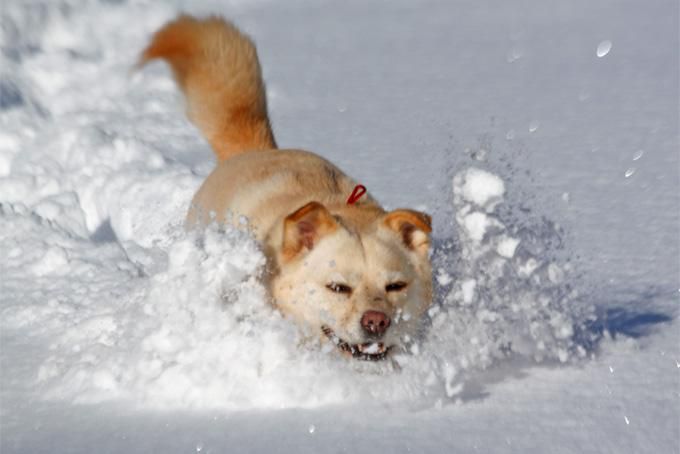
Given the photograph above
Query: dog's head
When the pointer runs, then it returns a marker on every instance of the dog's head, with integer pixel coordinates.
(363, 288)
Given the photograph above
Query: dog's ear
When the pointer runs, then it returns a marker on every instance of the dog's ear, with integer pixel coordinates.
(304, 228)
(414, 228)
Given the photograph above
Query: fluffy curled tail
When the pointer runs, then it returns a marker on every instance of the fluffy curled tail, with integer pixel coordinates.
(217, 68)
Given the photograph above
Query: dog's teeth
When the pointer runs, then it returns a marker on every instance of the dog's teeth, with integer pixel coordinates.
(372, 348)
(372, 351)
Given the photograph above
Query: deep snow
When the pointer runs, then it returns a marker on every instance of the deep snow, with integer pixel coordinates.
(543, 139)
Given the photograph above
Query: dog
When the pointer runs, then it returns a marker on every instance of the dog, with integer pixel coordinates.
(340, 266)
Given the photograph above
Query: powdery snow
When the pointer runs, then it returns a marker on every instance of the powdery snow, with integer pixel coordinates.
(121, 332)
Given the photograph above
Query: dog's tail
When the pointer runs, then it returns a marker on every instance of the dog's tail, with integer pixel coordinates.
(217, 68)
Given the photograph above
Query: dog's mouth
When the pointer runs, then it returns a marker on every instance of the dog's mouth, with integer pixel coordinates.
(369, 351)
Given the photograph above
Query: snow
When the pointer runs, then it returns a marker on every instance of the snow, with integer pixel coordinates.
(507, 246)
(603, 48)
(555, 322)
(480, 187)
(468, 288)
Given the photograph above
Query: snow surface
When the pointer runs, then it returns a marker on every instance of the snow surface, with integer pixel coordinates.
(542, 136)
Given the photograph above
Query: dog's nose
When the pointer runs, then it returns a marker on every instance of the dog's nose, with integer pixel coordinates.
(375, 323)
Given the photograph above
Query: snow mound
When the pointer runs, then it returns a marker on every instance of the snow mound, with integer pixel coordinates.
(201, 333)
(187, 323)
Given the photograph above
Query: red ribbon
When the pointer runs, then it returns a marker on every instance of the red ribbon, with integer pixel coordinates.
(358, 191)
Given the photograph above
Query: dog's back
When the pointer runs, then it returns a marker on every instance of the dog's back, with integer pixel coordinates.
(217, 68)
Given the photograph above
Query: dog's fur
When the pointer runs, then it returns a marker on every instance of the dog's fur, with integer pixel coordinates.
(295, 201)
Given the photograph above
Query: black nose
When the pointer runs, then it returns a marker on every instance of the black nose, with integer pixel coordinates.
(375, 323)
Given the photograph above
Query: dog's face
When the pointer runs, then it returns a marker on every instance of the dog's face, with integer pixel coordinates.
(365, 291)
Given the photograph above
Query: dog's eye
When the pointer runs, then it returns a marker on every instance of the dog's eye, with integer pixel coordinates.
(395, 286)
(339, 288)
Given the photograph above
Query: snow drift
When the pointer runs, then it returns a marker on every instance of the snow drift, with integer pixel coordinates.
(163, 317)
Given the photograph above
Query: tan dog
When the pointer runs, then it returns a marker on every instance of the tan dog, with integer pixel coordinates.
(353, 272)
